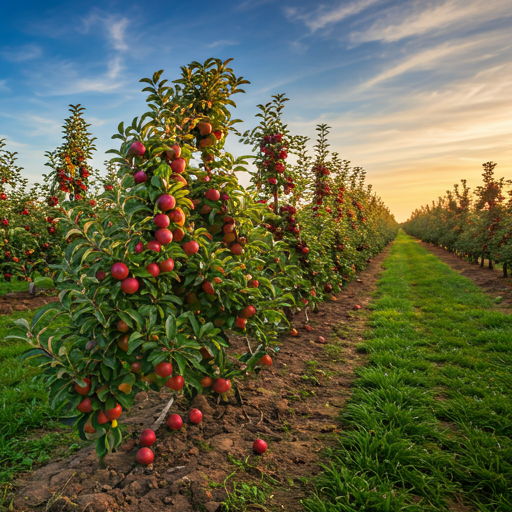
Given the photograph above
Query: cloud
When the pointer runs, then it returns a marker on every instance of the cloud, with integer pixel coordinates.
(222, 42)
(3, 86)
(323, 17)
(416, 20)
(114, 26)
(21, 53)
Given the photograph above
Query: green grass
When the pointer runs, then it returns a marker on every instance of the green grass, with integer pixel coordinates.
(430, 422)
(29, 432)
(13, 286)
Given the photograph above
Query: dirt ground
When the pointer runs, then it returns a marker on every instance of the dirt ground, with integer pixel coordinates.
(21, 301)
(490, 281)
(293, 405)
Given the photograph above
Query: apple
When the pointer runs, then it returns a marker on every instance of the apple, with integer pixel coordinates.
(162, 220)
(208, 288)
(266, 360)
(166, 202)
(357, 306)
(153, 269)
(175, 383)
(178, 177)
(166, 265)
(195, 416)
(205, 209)
(206, 382)
(130, 285)
(153, 245)
(136, 367)
(240, 322)
(236, 249)
(139, 248)
(140, 177)
(259, 446)
(229, 237)
(122, 326)
(253, 284)
(178, 165)
(84, 390)
(137, 149)
(122, 343)
(212, 194)
(85, 406)
(100, 275)
(191, 247)
(164, 236)
(218, 134)
(113, 414)
(204, 128)
(177, 216)
(147, 438)
(305, 250)
(221, 385)
(247, 312)
(174, 422)
(119, 271)
(178, 234)
(102, 419)
(321, 339)
(163, 369)
(294, 332)
(145, 456)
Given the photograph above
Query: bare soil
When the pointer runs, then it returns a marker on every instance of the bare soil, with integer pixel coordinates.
(490, 281)
(293, 405)
(21, 301)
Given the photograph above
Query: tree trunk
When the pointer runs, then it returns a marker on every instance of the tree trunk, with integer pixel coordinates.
(505, 270)
(490, 263)
(483, 260)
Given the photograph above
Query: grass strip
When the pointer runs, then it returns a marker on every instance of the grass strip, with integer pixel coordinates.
(429, 425)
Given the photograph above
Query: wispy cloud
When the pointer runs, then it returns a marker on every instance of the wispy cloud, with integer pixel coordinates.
(21, 53)
(113, 26)
(418, 18)
(3, 86)
(222, 42)
(324, 17)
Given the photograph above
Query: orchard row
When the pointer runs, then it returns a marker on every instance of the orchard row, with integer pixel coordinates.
(175, 257)
(476, 225)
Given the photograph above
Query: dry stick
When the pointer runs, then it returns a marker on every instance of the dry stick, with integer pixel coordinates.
(248, 344)
(161, 418)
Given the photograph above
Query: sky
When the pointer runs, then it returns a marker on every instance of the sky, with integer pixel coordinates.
(418, 92)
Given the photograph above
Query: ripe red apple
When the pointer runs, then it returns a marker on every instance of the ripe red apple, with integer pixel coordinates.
(294, 332)
(240, 322)
(175, 383)
(153, 245)
(177, 216)
(236, 249)
(357, 306)
(206, 382)
(259, 446)
(254, 283)
(139, 248)
(119, 271)
(305, 250)
(178, 234)
(204, 128)
(84, 390)
(178, 165)
(174, 422)
(221, 385)
(100, 275)
(85, 406)
(145, 456)
(130, 285)
(208, 288)
(266, 360)
(147, 438)
(162, 220)
(164, 236)
(122, 326)
(140, 177)
(321, 339)
(191, 247)
(136, 149)
(218, 134)
(113, 414)
(163, 369)
(166, 265)
(212, 194)
(102, 419)
(166, 202)
(136, 367)
(247, 312)
(153, 269)
(195, 416)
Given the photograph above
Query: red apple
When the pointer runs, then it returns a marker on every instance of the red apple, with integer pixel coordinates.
(240, 322)
(204, 128)
(177, 216)
(164, 236)
(153, 269)
(218, 134)
(221, 385)
(113, 414)
(145, 456)
(147, 438)
(119, 271)
(139, 248)
(163, 369)
(247, 312)
(178, 234)
(166, 202)
(174, 422)
(136, 149)
(259, 446)
(102, 419)
(212, 194)
(100, 275)
(178, 165)
(236, 249)
(162, 220)
(191, 247)
(153, 245)
(175, 383)
(140, 177)
(84, 390)
(208, 288)
(85, 406)
(129, 285)
(266, 360)
(195, 416)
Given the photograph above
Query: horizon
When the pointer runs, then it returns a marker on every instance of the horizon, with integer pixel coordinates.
(415, 94)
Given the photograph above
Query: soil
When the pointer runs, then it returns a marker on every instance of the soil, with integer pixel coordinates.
(21, 301)
(294, 405)
(490, 281)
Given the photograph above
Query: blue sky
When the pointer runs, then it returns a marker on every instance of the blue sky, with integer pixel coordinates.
(416, 92)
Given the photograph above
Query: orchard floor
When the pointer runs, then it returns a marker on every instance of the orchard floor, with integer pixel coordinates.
(22, 301)
(293, 405)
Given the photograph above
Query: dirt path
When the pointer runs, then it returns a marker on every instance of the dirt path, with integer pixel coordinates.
(293, 405)
(21, 301)
(491, 281)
